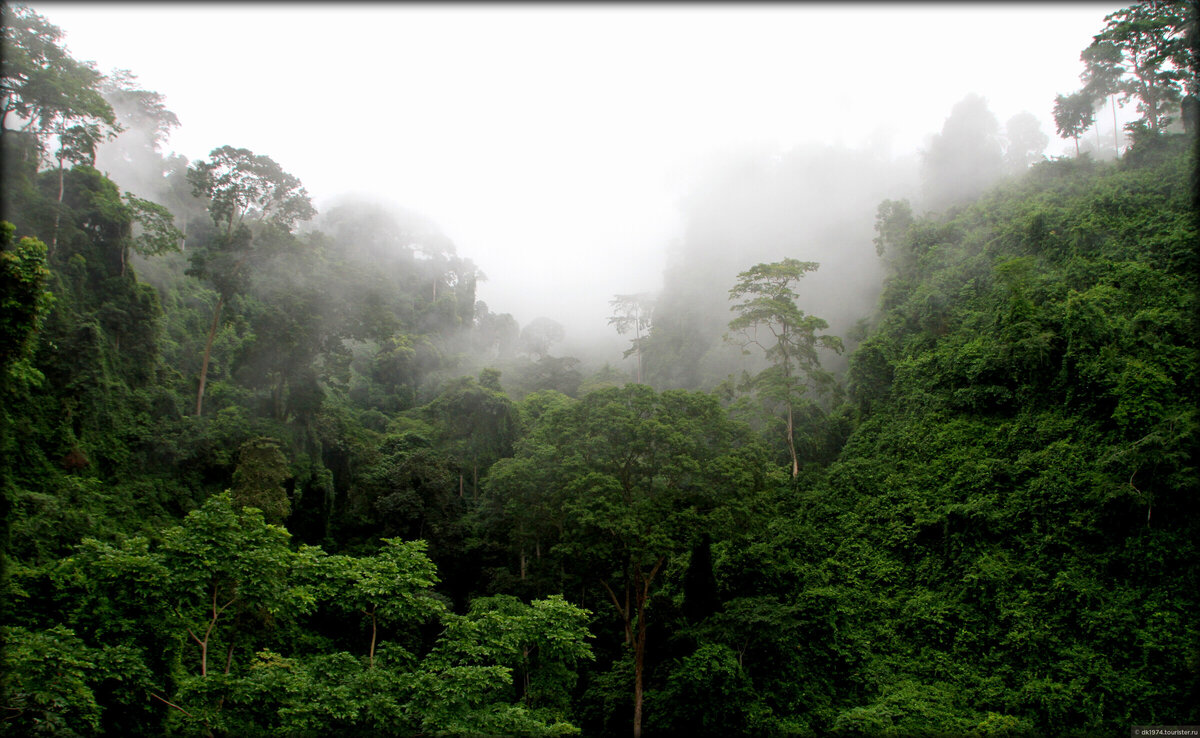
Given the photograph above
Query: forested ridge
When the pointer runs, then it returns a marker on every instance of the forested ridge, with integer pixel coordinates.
(274, 471)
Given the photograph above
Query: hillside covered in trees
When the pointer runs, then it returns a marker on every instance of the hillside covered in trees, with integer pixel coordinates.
(269, 471)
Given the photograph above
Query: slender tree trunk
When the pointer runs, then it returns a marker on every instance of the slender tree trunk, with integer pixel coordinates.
(1076, 146)
(58, 207)
(792, 443)
(626, 619)
(526, 652)
(637, 325)
(212, 623)
(787, 380)
(639, 668)
(371, 656)
(639, 647)
(277, 399)
(212, 333)
(1112, 99)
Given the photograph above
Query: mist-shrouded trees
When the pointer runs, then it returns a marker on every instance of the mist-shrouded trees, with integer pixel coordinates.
(1101, 77)
(1024, 142)
(154, 229)
(142, 113)
(1073, 114)
(769, 318)
(57, 97)
(999, 537)
(47, 89)
(539, 335)
(238, 183)
(1141, 54)
(633, 312)
(135, 159)
(965, 158)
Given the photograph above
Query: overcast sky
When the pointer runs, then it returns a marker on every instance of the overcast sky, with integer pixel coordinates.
(551, 142)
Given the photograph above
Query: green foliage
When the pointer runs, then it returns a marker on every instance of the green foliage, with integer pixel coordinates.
(48, 90)
(238, 182)
(24, 301)
(45, 687)
(999, 537)
(258, 479)
(158, 232)
(1073, 115)
(1142, 54)
(614, 487)
(387, 587)
(997, 498)
(708, 693)
(769, 317)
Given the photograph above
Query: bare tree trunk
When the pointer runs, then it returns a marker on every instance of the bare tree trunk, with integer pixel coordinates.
(371, 656)
(212, 333)
(792, 443)
(639, 668)
(637, 325)
(1112, 99)
(639, 647)
(58, 208)
(212, 623)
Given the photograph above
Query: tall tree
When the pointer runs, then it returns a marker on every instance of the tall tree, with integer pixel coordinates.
(476, 425)
(965, 157)
(239, 183)
(769, 318)
(1102, 77)
(136, 160)
(1024, 141)
(633, 312)
(1072, 116)
(1142, 54)
(42, 85)
(23, 297)
(55, 95)
(642, 475)
(155, 232)
(539, 335)
(389, 586)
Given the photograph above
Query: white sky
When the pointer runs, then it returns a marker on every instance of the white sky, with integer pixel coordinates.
(550, 142)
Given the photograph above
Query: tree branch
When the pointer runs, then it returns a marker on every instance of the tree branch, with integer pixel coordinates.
(172, 704)
(613, 596)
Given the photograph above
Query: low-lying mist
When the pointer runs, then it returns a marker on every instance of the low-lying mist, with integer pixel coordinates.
(732, 210)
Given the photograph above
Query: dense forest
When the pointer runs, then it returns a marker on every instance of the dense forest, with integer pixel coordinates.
(269, 471)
